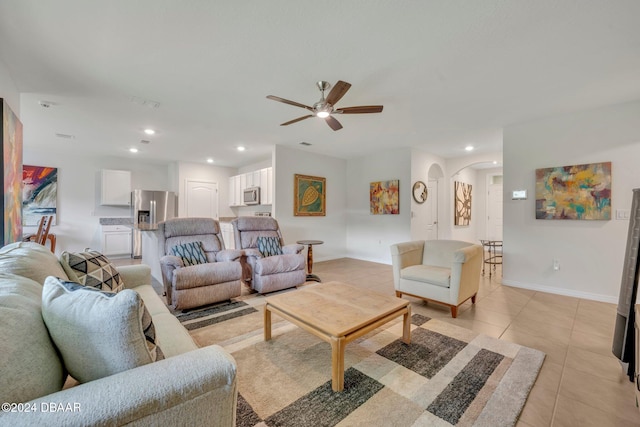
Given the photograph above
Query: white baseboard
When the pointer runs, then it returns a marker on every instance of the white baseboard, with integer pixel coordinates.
(560, 291)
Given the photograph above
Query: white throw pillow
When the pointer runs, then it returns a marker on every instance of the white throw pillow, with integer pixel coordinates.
(29, 364)
(98, 333)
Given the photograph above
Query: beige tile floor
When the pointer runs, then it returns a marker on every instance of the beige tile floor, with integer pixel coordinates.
(581, 383)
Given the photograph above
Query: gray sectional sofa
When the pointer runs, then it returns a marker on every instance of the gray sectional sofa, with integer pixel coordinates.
(191, 386)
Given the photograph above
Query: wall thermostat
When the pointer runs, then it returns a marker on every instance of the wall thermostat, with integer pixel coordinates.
(519, 195)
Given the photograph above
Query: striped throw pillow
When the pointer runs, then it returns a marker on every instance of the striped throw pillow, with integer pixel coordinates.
(191, 253)
(269, 246)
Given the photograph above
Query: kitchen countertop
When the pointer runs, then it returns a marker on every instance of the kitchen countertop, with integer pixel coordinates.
(147, 227)
(116, 221)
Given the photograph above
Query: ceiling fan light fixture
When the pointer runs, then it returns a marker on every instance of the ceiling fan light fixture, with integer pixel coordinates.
(325, 108)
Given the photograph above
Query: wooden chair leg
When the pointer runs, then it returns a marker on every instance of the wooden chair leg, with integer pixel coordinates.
(454, 311)
(473, 298)
(399, 294)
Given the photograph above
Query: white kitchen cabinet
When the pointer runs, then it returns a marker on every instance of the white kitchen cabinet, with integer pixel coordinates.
(115, 187)
(227, 235)
(253, 179)
(231, 192)
(235, 192)
(116, 240)
(262, 178)
(266, 186)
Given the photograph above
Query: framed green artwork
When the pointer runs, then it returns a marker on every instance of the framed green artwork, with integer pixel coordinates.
(309, 195)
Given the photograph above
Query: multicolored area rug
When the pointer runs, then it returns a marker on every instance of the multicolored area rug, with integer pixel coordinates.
(447, 376)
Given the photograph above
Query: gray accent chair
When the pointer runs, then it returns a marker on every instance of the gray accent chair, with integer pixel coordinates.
(196, 285)
(273, 273)
(443, 271)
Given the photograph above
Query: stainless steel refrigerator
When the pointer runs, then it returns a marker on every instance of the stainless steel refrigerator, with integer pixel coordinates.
(148, 208)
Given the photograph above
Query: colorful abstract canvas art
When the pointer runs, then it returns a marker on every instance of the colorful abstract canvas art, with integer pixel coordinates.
(11, 144)
(39, 193)
(579, 192)
(384, 197)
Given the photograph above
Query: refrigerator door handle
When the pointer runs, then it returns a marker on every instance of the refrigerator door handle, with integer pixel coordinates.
(152, 219)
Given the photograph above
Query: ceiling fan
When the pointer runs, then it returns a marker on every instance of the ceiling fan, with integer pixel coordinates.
(326, 106)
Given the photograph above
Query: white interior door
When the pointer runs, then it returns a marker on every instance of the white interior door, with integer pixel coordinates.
(202, 199)
(431, 208)
(494, 212)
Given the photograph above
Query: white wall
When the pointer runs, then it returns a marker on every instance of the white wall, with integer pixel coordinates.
(204, 172)
(462, 166)
(78, 208)
(421, 163)
(330, 228)
(370, 236)
(8, 90)
(590, 252)
(481, 194)
(467, 233)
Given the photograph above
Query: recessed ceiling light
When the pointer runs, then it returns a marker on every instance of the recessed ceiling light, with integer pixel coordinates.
(241, 148)
(209, 160)
(469, 148)
(149, 131)
(495, 162)
(133, 150)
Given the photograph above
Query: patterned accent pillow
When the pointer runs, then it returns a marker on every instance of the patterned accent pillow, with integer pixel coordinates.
(91, 268)
(98, 333)
(190, 253)
(269, 246)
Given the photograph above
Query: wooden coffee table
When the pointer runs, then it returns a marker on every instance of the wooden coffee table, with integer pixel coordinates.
(337, 313)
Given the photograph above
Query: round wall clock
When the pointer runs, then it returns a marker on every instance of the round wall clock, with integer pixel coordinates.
(420, 192)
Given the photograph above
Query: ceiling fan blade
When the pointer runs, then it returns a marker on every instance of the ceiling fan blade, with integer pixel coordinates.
(338, 91)
(333, 123)
(286, 101)
(360, 109)
(296, 120)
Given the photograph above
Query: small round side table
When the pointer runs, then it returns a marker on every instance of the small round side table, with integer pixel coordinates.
(309, 244)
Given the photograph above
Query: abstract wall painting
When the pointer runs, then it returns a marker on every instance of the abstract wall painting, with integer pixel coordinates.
(579, 192)
(384, 197)
(11, 146)
(462, 203)
(309, 195)
(39, 193)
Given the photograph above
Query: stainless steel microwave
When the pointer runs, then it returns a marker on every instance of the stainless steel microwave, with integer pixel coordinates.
(251, 196)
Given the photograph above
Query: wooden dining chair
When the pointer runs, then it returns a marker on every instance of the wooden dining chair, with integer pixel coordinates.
(43, 229)
(43, 233)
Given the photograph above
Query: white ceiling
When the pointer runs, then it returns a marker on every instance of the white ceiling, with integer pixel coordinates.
(449, 73)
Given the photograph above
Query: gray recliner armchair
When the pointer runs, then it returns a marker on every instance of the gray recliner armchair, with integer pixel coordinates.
(215, 277)
(273, 272)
